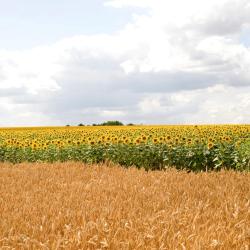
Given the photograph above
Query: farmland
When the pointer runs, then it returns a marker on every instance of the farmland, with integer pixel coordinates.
(196, 148)
(125, 187)
(77, 206)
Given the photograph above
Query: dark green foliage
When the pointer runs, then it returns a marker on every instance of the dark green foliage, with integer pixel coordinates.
(112, 123)
(149, 156)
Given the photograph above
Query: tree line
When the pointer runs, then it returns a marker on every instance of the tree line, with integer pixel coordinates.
(107, 123)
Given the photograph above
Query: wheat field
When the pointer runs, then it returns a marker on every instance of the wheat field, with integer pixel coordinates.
(75, 206)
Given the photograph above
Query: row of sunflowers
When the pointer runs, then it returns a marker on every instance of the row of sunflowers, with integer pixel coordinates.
(194, 147)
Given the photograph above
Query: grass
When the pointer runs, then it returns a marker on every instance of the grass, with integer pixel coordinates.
(75, 206)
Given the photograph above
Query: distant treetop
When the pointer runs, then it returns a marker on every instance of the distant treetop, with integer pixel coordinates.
(107, 123)
(112, 123)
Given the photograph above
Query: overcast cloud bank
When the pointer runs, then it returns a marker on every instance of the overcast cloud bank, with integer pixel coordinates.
(180, 62)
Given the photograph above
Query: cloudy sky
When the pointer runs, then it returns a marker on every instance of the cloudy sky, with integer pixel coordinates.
(141, 61)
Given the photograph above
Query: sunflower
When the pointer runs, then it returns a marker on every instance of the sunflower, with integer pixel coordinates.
(168, 137)
(127, 141)
(197, 140)
(155, 140)
(34, 146)
(137, 141)
(210, 145)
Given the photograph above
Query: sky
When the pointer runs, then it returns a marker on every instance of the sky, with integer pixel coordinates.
(140, 61)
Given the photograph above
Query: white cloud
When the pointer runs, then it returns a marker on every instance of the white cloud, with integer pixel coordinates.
(150, 105)
(180, 61)
(217, 104)
(112, 114)
(32, 69)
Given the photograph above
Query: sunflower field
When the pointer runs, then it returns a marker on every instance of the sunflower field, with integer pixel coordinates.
(191, 147)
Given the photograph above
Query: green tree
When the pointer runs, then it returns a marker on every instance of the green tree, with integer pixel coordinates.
(112, 123)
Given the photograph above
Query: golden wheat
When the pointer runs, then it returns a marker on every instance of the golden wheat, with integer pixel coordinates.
(74, 206)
